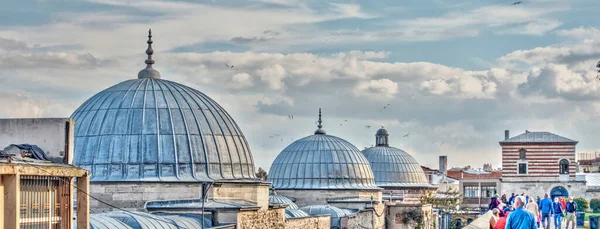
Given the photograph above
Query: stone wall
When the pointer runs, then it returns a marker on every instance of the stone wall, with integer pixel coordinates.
(396, 216)
(133, 196)
(271, 218)
(313, 222)
(254, 192)
(369, 218)
(315, 197)
(540, 188)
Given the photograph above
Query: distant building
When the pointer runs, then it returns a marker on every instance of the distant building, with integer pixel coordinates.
(538, 163)
(589, 162)
(477, 187)
(38, 194)
(440, 178)
(38, 182)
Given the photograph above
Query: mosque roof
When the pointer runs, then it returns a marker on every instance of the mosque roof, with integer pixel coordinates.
(151, 129)
(393, 167)
(277, 199)
(321, 161)
(334, 212)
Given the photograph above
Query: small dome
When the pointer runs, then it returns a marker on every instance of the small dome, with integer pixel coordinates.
(321, 161)
(393, 167)
(277, 199)
(382, 131)
(334, 212)
(295, 213)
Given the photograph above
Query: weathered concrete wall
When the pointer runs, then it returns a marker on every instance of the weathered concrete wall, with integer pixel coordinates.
(255, 192)
(313, 222)
(134, 195)
(396, 216)
(368, 218)
(314, 197)
(271, 218)
(53, 135)
(575, 189)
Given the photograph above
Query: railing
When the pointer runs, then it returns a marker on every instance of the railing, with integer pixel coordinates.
(45, 202)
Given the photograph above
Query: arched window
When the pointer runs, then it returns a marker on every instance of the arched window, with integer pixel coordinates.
(564, 166)
(523, 154)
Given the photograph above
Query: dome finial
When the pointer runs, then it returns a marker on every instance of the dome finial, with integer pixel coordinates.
(320, 126)
(149, 72)
(381, 137)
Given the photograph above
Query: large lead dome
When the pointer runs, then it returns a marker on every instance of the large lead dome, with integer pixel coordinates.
(393, 167)
(321, 161)
(150, 129)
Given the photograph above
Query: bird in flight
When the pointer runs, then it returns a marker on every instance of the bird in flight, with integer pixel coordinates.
(291, 116)
(598, 70)
(406, 135)
(516, 3)
(367, 126)
(442, 143)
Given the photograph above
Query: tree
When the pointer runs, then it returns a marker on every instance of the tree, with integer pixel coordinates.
(261, 174)
(595, 205)
(444, 201)
(582, 204)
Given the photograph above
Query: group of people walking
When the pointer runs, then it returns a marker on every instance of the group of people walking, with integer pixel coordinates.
(525, 212)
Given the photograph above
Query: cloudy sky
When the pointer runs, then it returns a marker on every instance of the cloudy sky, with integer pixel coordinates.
(452, 71)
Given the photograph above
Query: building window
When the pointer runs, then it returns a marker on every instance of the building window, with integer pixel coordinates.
(488, 191)
(522, 154)
(564, 166)
(523, 168)
(471, 191)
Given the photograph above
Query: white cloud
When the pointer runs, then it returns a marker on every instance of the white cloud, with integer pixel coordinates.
(381, 89)
(242, 80)
(496, 18)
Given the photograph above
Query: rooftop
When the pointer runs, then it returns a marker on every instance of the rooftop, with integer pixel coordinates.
(462, 174)
(209, 204)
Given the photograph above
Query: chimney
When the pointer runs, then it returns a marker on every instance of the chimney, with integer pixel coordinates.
(506, 135)
(443, 164)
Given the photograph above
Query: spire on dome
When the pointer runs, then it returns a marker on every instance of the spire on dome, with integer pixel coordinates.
(320, 126)
(149, 72)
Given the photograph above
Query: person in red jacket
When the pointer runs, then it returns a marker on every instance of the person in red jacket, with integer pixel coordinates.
(501, 224)
(563, 202)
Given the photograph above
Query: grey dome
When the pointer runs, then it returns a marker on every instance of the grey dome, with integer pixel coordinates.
(277, 199)
(335, 213)
(382, 131)
(295, 213)
(152, 129)
(394, 167)
(321, 161)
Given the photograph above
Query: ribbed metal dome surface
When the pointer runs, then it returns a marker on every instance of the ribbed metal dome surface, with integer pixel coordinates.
(321, 161)
(295, 213)
(150, 129)
(334, 212)
(393, 167)
(277, 199)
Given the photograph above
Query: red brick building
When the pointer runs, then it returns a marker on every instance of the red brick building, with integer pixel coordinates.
(538, 163)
